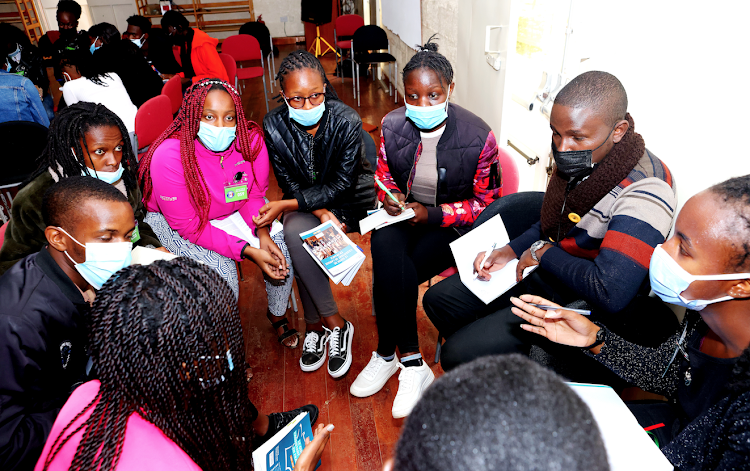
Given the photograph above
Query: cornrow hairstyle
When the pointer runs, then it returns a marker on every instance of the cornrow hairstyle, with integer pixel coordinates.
(735, 192)
(428, 57)
(64, 155)
(302, 59)
(82, 60)
(185, 127)
(167, 344)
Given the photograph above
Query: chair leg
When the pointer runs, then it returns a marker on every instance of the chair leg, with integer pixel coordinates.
(351, 54)
(273, 61)
(395, 83)
(270, 78)
(358, 90)
(294, 300)
(265, 93)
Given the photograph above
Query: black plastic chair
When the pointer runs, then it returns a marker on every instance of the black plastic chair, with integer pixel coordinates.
(365, 46)
(23, 142)
(260, 32)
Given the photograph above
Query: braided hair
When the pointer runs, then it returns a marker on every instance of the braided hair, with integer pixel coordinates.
(64, 154)
(428, 57)
(185, 128)
(82, 60)
(167, 343)
(302, 59)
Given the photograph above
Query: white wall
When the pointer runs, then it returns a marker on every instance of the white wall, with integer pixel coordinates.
(273, 10)
(684, 66)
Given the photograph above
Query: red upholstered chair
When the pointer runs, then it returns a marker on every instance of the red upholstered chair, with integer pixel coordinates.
(2, 233)
(230, 65)
(343, 30)
(510, 172)
(173, 90)
(243, 47)
(152, 119)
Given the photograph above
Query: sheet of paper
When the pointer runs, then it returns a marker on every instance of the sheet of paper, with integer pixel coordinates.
(465, 250)
(235, 225)
(381, 218)
(628, 446)
(145, 256)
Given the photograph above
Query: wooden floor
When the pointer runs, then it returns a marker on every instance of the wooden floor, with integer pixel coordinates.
(365, 431)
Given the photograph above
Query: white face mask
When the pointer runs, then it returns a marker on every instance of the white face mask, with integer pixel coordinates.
(669, 280)
(138, 42)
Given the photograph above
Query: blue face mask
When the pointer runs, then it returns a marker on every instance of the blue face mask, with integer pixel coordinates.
(427, 117)
(669, 280)
(216, 139)
(93, 46)
(102, 260)
(106, 177)
(309, 117)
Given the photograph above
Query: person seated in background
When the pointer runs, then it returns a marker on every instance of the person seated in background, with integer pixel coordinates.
(46, 297)
(210, 164)
(609, 202)
(20, 100)
(499, 413)
(113, 55)
(153, 45)
(52, 43)
(171, 393)
(315, 143)
(194, 50)
(84, 82)
(704, 368)
(441, 161)
(84, 139)
(24, 59)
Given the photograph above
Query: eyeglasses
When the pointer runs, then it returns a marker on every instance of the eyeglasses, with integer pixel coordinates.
(298, 102)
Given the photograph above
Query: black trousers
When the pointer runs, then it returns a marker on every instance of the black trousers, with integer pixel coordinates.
(473, 329)
(403, 257)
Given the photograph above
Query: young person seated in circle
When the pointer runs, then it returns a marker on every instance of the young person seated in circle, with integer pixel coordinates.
(528, 418)
(153, 45)
(609, 202)
(166, 342)
(112, 54)
(441, 161)
(317, 153)
(84, 139)
(45, 301)
(194, 49)
(84, 82)
(704, 368)
(209, 164)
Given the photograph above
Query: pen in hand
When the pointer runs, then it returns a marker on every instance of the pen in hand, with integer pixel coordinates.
(388, 192)
(545, 307)
(484, 259)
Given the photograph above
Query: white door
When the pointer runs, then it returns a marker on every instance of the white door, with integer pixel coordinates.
(115, 12)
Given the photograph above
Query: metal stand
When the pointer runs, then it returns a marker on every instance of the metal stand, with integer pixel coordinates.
(318, 47)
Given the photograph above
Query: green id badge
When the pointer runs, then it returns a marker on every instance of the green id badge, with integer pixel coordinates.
(235, 193)
(136, 236)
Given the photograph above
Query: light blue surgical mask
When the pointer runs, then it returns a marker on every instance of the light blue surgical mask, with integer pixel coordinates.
(669, 280)
(216, 139)
(138, 42)
(106, 177)
(93, 46)
(309, 117)
(102, 260)
(427, 117)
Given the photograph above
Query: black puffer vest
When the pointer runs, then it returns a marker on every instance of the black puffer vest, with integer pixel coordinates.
(458, 152)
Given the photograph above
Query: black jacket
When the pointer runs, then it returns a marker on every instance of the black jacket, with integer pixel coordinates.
(321, 171)
(458, 152)
(125, 59)
(42, 354)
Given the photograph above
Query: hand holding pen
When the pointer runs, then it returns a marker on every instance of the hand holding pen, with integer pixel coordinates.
(393, 204)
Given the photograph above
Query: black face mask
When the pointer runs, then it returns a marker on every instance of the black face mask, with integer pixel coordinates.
(576, 163)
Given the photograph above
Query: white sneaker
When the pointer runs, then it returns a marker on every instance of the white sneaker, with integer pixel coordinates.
(412, 382)
(374, 376)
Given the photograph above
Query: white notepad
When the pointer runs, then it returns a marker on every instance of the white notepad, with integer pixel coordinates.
(465, 250)
(236, 226)
(381, 218)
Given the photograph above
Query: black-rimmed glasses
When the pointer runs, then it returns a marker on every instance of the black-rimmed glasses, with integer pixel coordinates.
(298, 102)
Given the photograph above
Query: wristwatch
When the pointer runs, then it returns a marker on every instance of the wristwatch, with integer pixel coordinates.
(601, 336)
(536, 246)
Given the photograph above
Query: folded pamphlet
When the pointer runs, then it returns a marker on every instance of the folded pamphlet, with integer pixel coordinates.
(628, 446)
(465, 250)
(236, 226)
(380, 218)
(334, 252)
(281, 452)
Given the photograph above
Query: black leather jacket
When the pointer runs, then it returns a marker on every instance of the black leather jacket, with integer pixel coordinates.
(320, 171)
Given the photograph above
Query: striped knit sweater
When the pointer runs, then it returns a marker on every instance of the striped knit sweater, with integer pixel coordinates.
(605, 257)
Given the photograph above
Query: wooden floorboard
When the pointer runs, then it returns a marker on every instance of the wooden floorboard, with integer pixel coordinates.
(365, 432)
